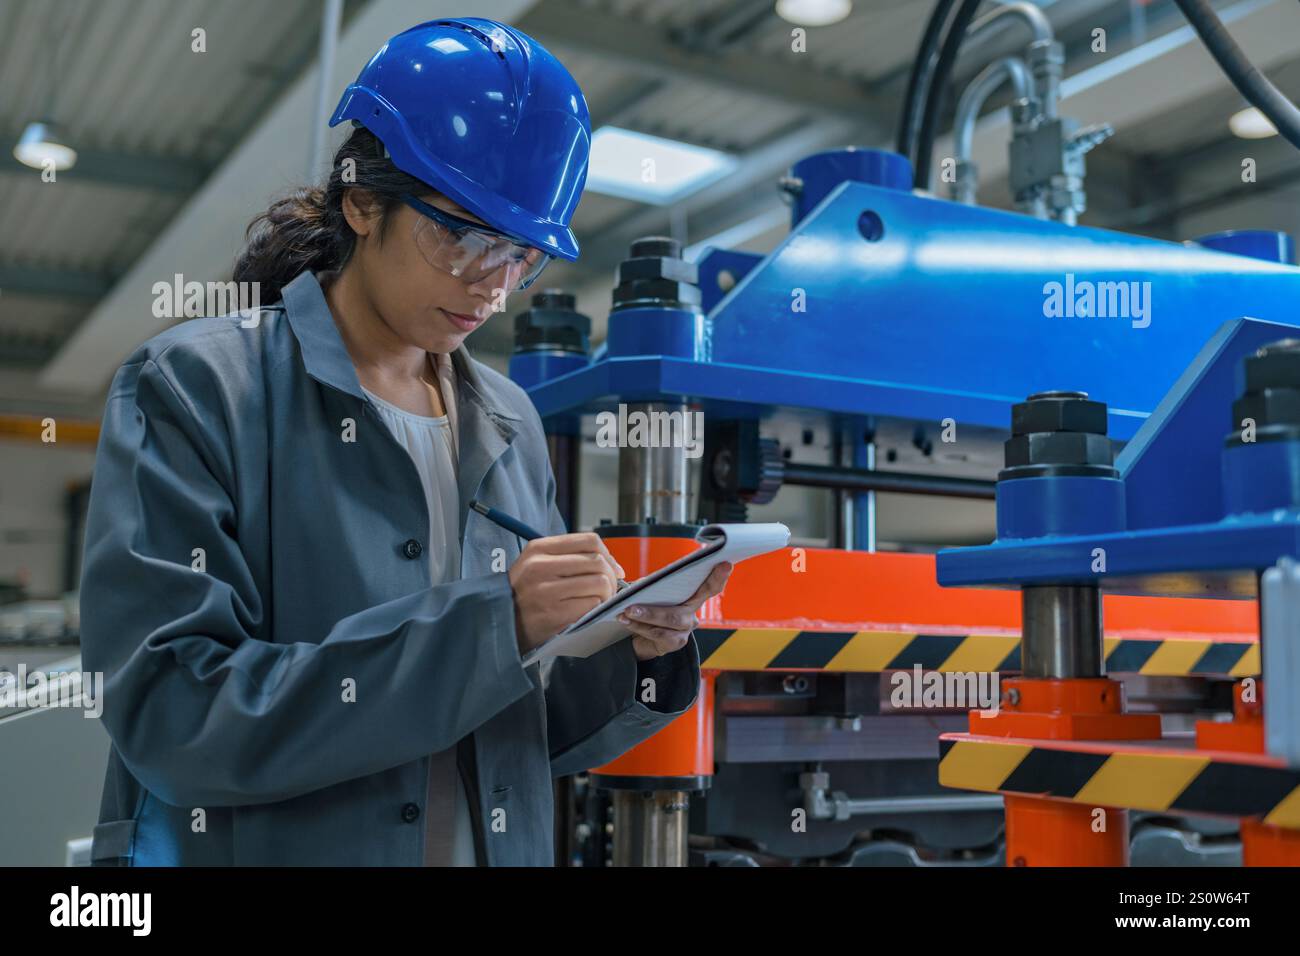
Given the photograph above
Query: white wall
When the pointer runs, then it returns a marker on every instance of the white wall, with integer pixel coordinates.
(34, 480)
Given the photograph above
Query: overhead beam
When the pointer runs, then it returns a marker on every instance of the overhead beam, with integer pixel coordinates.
(1202, 201)
(616, 108)
(724, 27)
(1211, 177)
(129, 170)
(25, 354)
(642, 48)
(53, 282)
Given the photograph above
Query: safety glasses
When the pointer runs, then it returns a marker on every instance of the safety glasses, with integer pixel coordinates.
(471, 251)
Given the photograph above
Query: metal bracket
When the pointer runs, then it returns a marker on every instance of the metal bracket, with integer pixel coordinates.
(1279, 634)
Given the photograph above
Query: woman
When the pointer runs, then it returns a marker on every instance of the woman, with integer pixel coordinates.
(311, 649)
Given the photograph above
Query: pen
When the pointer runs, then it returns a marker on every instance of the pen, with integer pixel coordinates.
(514, 525)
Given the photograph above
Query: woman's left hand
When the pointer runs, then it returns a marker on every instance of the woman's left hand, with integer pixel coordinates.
(661, 630)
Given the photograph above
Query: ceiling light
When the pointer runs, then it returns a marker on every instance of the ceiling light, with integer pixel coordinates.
(813, 13)
(1250, 123)
(41, 147)
(649, 168)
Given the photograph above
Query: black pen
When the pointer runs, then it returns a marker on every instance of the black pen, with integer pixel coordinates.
(514, 525)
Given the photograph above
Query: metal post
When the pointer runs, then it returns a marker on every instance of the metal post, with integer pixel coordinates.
(855, 509)
(1062, 632)
(653, 482)
(331, 18)
(864, 453)
(566, 463)
(650, 828)
(839, 534)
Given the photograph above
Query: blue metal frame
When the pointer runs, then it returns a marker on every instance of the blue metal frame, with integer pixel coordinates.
(713, 264)
(942, 316)
(1185, 533)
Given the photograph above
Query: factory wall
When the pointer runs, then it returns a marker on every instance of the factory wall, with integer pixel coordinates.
(33, 510)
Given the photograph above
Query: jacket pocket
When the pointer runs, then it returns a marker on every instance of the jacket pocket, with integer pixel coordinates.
(112, 843)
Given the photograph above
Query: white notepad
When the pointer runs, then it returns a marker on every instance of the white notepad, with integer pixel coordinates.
(671, 585)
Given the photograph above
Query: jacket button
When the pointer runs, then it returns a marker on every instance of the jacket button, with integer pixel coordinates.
(412, 549)
(410, 813)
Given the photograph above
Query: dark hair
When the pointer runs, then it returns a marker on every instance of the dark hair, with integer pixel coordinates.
(307, 230)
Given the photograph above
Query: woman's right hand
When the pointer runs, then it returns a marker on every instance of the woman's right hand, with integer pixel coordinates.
(558, 579)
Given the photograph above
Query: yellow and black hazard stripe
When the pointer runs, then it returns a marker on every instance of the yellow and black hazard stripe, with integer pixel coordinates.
(1175, 782)
(774, 648)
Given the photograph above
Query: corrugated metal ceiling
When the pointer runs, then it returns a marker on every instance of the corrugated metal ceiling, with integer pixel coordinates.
(122, 79)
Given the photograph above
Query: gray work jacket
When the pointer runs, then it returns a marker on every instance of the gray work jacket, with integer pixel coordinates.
(277, 669)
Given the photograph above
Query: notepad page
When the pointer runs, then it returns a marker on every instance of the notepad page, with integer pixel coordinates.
(669, 586)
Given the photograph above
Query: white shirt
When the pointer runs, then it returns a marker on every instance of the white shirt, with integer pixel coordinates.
(431, 443)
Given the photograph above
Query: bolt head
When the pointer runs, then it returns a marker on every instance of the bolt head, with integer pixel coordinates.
(1274, 366)
(1058, 448)
(1268, 406)
(1058, 412)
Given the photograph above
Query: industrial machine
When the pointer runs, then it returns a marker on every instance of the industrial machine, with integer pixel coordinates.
(794, 713)
(1203, 501)
(891, 321)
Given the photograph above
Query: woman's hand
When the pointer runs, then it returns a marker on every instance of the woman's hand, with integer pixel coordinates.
(661, 630)
(558, 579)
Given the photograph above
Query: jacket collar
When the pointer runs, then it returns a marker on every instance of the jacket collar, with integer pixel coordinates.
(485, 427)
(327, 361)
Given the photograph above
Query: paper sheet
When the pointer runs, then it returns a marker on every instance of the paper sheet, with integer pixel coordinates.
(671, 585)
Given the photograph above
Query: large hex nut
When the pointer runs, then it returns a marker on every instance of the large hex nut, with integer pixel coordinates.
(1058, 448)
(1274, 366)
(1065, 414)
(657, 289)
(1271, 406)
(676, 270)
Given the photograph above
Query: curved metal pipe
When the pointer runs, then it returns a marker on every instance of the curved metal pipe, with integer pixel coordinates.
(979, 90)
(1026, 12)
(1043, 54)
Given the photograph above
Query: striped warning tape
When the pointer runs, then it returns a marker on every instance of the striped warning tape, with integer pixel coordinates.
(1182, 781)
(774, 648)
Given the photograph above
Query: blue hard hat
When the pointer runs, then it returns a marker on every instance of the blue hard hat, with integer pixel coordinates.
(486, 116)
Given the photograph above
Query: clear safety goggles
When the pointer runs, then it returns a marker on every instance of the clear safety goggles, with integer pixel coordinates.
(471, 251)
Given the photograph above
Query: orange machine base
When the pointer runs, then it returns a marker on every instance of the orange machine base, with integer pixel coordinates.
(1042, 832)
(1055, 833)
(1262, 844)
(1070, 709)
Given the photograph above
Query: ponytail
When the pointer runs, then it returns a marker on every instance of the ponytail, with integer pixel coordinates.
(306, 230)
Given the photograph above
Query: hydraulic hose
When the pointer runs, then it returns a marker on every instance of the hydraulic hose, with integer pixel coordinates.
(918, 81)
(1249, 81)
(939, 87)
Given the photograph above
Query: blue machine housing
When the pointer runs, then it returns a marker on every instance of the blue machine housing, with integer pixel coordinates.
(882, 306)
(1202, 517)
(1258, 243)
(942, 316)
(818, 174)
